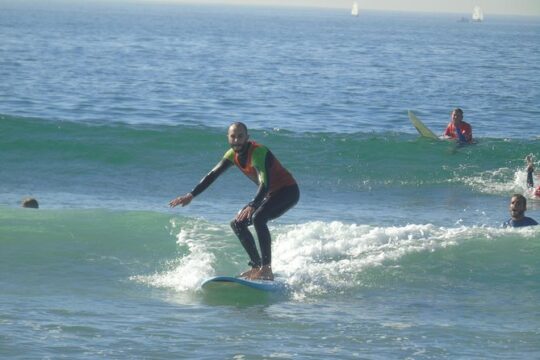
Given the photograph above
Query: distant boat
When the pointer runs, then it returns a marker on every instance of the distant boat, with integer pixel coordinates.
(354, 10)
(477, 14)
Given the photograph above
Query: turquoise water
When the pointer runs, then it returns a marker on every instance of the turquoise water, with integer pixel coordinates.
(395, 249)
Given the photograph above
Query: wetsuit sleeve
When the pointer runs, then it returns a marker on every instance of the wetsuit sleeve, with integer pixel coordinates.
(262, 161)
(530, 182)
(206, 181)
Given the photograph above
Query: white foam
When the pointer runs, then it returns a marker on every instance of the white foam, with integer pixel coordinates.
(501, 181)
(320, 257)
(315, 257)
(187, 272)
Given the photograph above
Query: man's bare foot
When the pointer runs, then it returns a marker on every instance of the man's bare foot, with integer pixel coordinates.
(263, 273)
(248, 273)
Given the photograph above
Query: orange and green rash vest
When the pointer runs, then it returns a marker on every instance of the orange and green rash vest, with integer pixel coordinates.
(259, 164)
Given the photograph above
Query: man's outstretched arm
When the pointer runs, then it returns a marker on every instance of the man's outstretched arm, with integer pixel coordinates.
(206, 181)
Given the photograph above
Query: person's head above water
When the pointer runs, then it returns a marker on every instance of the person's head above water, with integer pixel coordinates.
(518, 205)
(238, 136)
(30, 203)
(457, 116)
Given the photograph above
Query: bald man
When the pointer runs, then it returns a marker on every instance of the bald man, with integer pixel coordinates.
(277, 193)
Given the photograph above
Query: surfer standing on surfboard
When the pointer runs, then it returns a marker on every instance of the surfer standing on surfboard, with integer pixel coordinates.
(457, 128)
(277, 193)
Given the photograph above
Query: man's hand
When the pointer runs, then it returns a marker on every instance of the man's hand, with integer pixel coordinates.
(181, 200)
(245, 214)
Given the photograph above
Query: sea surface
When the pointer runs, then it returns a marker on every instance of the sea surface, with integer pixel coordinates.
(395, 250)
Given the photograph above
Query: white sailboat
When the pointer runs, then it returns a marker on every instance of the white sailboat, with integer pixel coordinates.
(354, 10)
(477, 14)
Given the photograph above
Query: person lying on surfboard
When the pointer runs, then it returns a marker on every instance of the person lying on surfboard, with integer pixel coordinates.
(458, 129)
(277, 193)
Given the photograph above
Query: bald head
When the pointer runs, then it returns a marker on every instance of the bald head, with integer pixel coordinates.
(238, 136)
(239, 124)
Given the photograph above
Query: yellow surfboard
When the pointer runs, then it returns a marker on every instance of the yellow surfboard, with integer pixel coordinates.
(422, 129)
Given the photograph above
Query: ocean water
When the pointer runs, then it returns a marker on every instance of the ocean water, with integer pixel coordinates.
(395, 249)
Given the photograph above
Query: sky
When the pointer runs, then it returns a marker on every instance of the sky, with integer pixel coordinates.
(463, 7)
(499, 7)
